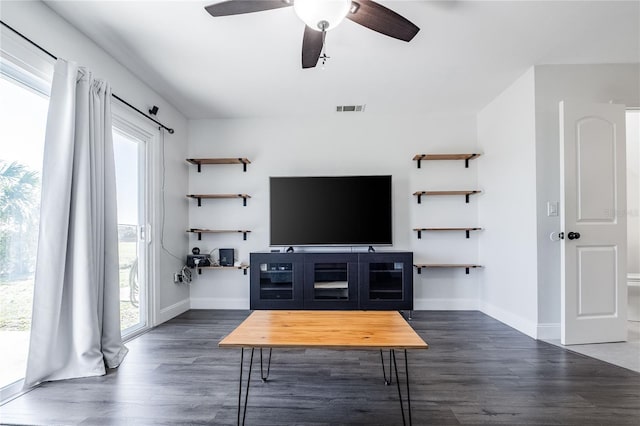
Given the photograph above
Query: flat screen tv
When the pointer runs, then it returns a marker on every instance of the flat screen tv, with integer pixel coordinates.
(330, 211)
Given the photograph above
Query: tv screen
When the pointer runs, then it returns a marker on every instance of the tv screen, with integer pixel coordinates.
(334, 210)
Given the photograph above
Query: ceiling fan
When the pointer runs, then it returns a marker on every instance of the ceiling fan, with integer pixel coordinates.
(321, 16)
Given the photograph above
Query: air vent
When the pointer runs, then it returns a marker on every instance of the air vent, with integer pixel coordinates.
(350, 108)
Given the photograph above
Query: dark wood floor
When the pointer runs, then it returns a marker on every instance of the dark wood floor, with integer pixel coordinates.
(477, 371)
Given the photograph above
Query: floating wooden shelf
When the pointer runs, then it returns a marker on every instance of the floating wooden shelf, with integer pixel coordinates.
(200, 197)
(200, 161)
(419, 194)
(467, 230)
(467, 267)
(465, 157)
(199, 231)
(241, 267)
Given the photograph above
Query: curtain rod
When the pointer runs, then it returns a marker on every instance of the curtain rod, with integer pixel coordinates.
(113, 94)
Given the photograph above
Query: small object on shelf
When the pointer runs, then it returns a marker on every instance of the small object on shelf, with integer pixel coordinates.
(201, 231)
(419, 194)
(200, 161)
(465, 157)
(467, 267)
(467, 230)
(226, 257)
(198, 260)
(199, 197)
(195, 250)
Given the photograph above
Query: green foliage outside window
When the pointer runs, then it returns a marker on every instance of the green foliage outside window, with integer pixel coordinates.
(19, 216)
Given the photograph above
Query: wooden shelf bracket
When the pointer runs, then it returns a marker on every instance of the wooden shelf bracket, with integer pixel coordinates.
(244, 268)
(466, 230)
(200, 231)
(466, 194)
(467, 267)
(200, 161)
(466, 157)
(199, 197)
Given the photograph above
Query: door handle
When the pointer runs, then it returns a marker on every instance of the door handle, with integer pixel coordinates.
(573, 235)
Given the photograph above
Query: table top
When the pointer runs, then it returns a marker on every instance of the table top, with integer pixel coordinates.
(325, 329)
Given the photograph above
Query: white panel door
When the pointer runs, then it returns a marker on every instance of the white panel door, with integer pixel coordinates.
(593, 193)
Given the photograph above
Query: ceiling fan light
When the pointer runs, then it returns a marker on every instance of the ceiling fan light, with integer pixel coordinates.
(321, 14)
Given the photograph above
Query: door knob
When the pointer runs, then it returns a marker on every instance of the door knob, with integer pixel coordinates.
(573, 235)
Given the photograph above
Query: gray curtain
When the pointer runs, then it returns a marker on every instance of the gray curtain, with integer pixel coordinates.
(75, 329)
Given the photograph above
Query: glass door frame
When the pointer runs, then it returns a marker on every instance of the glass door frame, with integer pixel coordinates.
(129, 125)
(31, 69)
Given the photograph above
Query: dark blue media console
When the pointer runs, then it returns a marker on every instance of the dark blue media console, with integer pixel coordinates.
(332, 280)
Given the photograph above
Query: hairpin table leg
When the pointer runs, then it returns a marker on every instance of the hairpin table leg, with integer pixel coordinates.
(246, 394)
(406, 369)
(388, 381)
(262, 376)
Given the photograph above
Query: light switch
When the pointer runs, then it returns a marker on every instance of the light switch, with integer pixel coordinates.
(552, 208)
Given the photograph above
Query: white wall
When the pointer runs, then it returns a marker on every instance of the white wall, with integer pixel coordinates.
(506, 133)
(44, 27)
(633, 191)
(505, 125)
(337, 144)
(618, 83)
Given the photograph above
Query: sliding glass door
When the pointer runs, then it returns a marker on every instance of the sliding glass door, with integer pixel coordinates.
(24, 102)
(130, 154)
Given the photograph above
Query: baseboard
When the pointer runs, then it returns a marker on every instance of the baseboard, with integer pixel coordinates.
(523, 325)
(217, 303)
(173, 311)
(445, 304)
(418, 304)
(550, 331)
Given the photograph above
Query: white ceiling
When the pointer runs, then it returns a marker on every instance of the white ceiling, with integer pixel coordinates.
(465, 54)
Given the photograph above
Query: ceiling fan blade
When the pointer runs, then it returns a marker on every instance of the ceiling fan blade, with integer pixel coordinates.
(311, 47)
(237, 7)
(385, 21)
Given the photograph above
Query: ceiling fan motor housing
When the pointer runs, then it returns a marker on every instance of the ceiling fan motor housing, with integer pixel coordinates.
(322, 15)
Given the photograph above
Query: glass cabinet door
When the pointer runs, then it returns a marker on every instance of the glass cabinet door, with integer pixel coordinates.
(331, 282)
(386, 281)
(276, 281)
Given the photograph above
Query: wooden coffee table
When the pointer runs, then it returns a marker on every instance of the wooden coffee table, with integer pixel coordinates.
(379, 330)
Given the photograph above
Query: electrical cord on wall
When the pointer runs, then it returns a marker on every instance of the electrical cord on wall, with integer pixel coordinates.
(181, 259)
(186, 275)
